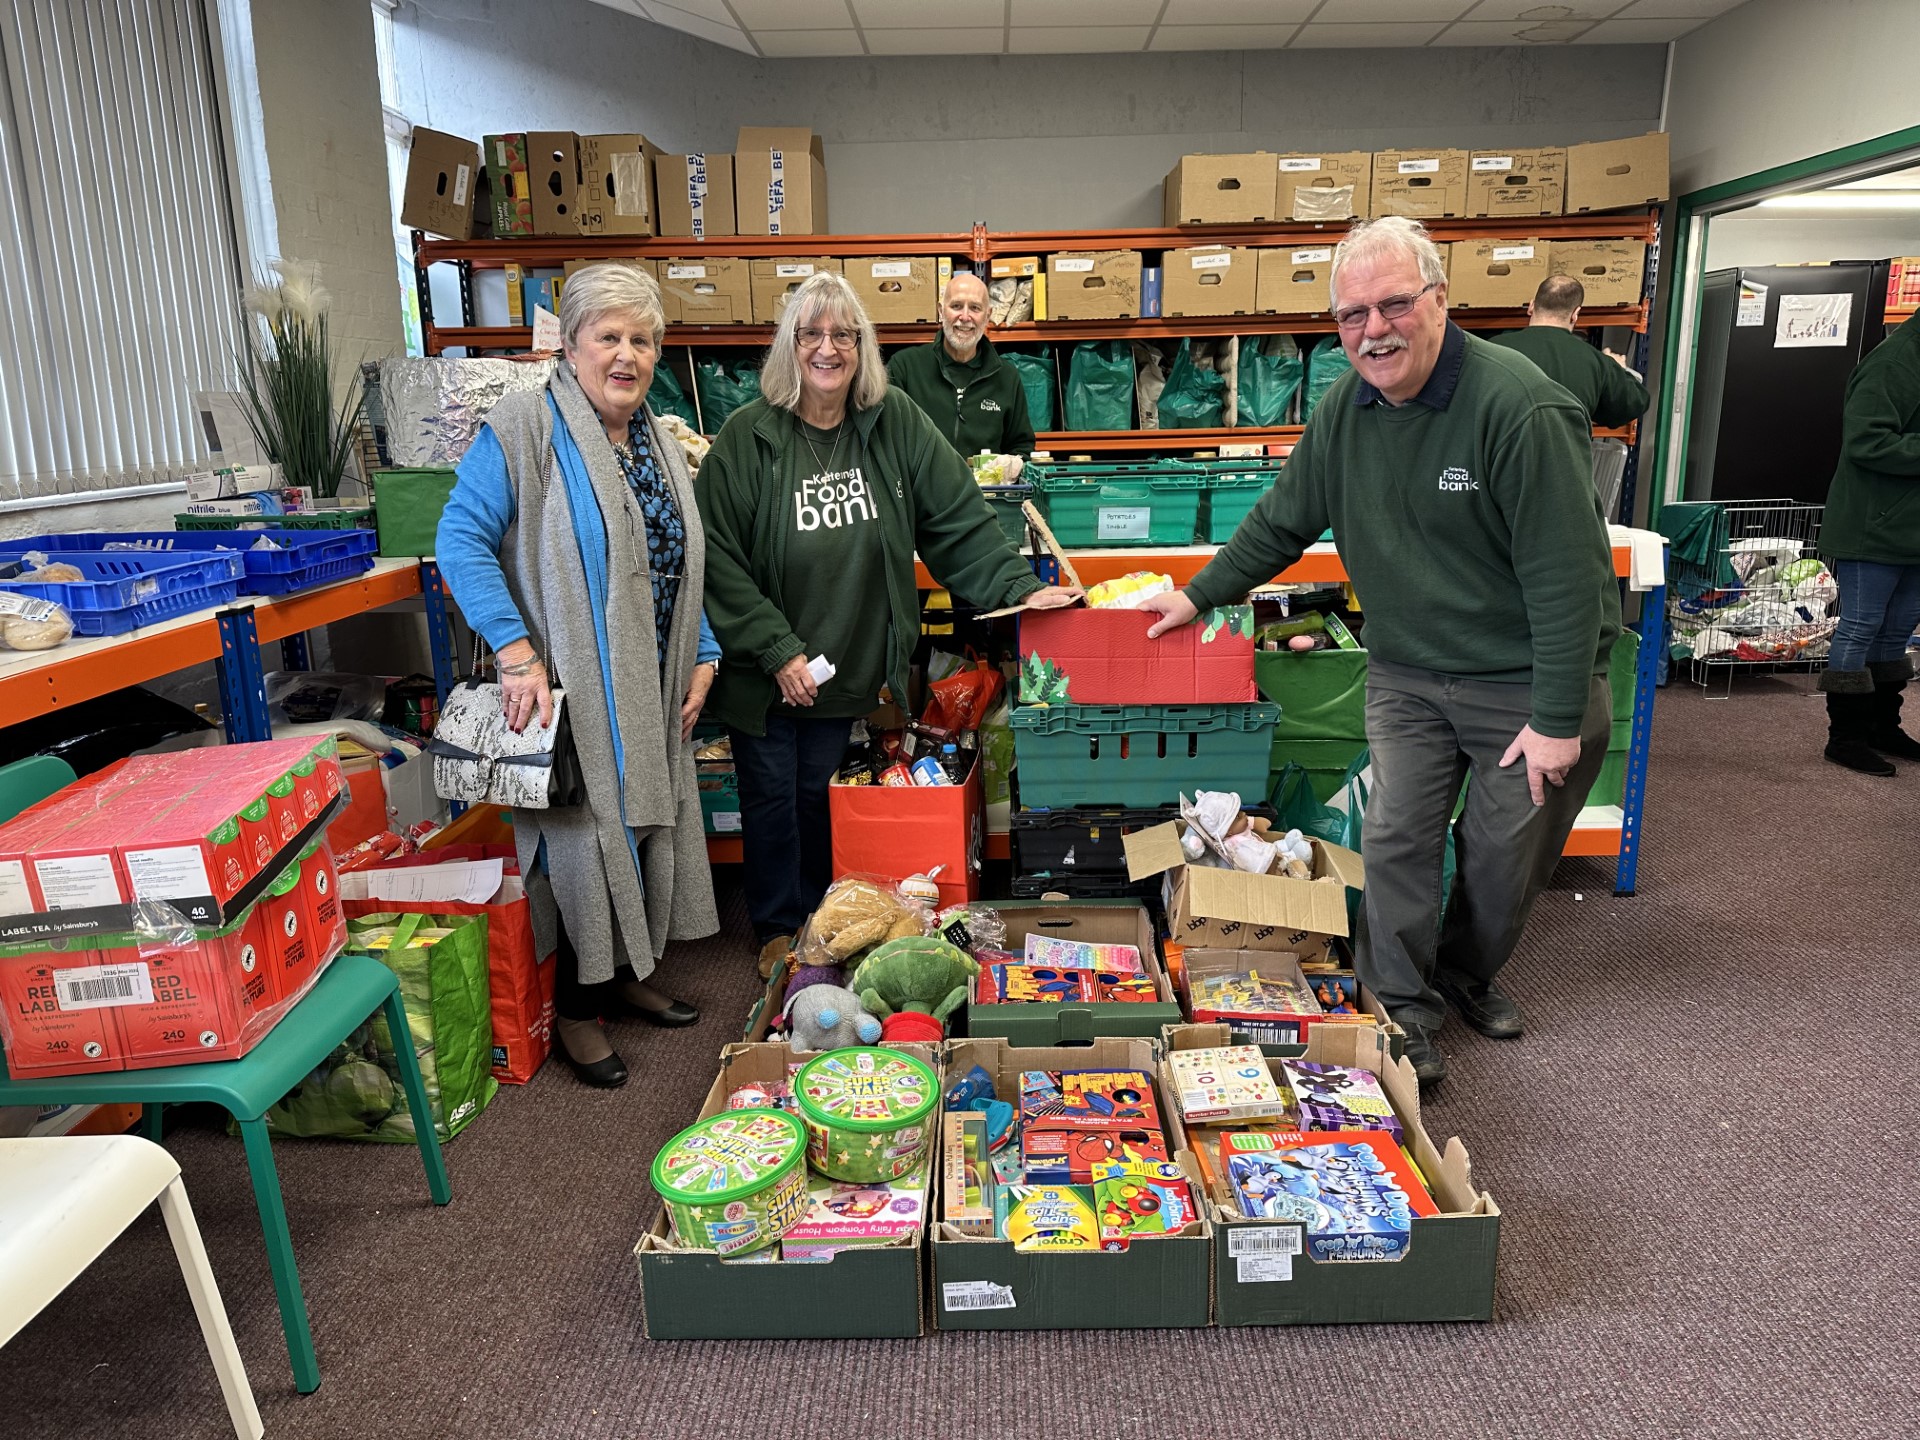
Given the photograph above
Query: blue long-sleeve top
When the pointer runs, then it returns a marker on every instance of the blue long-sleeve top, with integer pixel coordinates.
(467, 549)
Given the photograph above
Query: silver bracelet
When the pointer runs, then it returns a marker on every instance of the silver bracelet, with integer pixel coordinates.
(525, 667)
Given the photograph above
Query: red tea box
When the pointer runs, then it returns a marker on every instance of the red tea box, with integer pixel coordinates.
(194, 1013)
(320, 889)
(56, 1012)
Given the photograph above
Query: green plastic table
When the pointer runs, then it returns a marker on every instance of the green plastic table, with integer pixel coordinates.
(347, 992)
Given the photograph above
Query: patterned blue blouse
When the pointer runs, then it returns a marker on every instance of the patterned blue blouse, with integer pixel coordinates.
(666, 529)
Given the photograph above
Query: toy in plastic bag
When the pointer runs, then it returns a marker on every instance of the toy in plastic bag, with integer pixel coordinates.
(972, 927)
(857, 913)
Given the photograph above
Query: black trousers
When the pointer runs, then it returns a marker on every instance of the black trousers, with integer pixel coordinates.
(785, 836)
(571, 999)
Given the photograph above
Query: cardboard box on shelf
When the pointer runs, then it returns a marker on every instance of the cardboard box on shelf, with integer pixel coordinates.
(571, 268)
(1617, 174)
(1263, 1273)
(868, 1291)
(1516, 182)
(895, 290)
(1293, 279)
(780, 181)
(772, 281)
(509, 182)
(443, 181)
(694, 195)
(1094, 285)
(1213, 280)
(616, 185)
(706, 291)
(1219, 190)
(1502, 273)
(553, 177)
(1420, 183)
(1159, 1281)
(1611, 271)
(1085, 656)
(1014, 267)
(1096, 922)
(1326, 185)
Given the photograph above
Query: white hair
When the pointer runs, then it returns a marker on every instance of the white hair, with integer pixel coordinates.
(613, 288)
(1388, 235)
(825, 299)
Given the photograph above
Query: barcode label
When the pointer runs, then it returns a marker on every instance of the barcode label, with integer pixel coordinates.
(93, 987)
(976, 1295)
(1513, 252)
(1264, 1269)
(26, 607)
(1297, 164)
(1420, 167)
(1493, 162)
(1321, 256)
(1263, 1240)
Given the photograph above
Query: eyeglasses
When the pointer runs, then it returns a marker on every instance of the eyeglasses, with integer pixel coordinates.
(1352, 317)
(810, 336)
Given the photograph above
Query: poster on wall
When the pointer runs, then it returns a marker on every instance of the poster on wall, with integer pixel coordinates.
(1752, 309)
(1806, 321)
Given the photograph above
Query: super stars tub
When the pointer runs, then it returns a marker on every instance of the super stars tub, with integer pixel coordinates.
(736, 1182)
(869, 1112)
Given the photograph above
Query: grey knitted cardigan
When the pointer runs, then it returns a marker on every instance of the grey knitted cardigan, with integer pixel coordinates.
(589, 874)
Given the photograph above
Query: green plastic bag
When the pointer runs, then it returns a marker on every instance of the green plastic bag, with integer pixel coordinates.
(1326, 363)
(1295, 807)
(666, 397)
(1194, 397)
(723, 391)
(355, 1093)
(1100, 386)
(996, 754)
(1270, 371)
(1036, 374)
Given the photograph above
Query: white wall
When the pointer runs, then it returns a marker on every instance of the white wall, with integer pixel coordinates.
(1738, 240)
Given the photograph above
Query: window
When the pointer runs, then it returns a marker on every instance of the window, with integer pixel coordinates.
(118, 274)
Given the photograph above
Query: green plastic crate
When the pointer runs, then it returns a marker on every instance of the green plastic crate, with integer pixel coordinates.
(1322, 694)
(1139, 754)
(1005, 502)
(1230, 499)
(1110, 505)
(720, 803)
(407, 506)
(357, 518)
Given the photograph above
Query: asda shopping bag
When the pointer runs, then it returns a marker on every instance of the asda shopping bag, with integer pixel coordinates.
(723, 390)
(1326, 363)
(996, 754)
(1036, 374)
(666, 396)
(1100, 386)
(1270, 371)
(1194, 397)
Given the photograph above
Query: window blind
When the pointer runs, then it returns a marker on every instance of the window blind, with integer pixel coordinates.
(118, 275)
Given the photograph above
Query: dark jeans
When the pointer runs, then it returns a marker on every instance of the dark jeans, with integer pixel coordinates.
(1879, 608)
(786, 839)
(1428, 732)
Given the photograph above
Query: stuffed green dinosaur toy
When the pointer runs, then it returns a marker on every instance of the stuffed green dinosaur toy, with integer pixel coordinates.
(917, 973)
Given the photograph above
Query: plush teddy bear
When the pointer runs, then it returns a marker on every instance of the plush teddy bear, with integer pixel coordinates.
(827, 1017)
(854, 916)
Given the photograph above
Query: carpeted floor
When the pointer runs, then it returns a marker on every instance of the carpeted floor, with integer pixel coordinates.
(1704, 1149)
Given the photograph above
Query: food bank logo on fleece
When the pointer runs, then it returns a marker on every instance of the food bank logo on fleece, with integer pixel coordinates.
(840, 497)
(1455, 478)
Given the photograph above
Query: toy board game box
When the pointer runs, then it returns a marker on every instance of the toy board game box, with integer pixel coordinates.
(1072, 1157)
(1353, 1190)
(1266, 996)
(1098, 922)
(1340, 1097)
(1084, 1099)
(1228, 1083)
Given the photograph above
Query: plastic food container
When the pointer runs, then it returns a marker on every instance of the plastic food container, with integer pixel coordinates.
(869, 1112)
(736, 1182)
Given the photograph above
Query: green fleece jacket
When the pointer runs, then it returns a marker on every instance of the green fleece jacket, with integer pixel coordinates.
(1606, 387)
(1466, 519)
(926, 501)
(978, 404)
(1873, 506)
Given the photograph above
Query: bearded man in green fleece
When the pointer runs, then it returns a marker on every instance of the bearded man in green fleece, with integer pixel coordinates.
(974, 398)
(1457, 480)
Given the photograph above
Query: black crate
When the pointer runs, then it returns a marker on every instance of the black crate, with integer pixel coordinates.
(1077, 886)
(1086, 840)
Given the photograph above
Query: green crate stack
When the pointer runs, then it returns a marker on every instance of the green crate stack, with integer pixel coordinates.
(349, 518)
(1234, 487)
(1132, 503)
(1138, 755)
(719, 786)
(1006, 501)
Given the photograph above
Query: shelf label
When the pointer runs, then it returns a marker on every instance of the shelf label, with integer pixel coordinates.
(1493, 162)
(1299, 164)
(1420, 167)
(93, 987)
(1263, 1240)
(892, 269)
(726, 822)
(1214, 260)
(1321, 256)
(977, 1295)
(686, 272)
(1074, 264)
(15, 898)
(787, 270)
(1513, 252)
(1130, 523)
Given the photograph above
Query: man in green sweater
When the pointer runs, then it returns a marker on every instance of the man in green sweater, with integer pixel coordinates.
(1457, 481)
(1600, 380)
(974, 397)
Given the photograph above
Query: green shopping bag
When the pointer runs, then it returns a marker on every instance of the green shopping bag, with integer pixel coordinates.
(666, 396)
(1036, 374)
(723, 391)
(1100, 386)
(1295, 807)
(1270, 370)
(1194, 397)
(356, 1093)
(1326, 363)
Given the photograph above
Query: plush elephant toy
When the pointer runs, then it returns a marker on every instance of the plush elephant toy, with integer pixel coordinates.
(826, 1017)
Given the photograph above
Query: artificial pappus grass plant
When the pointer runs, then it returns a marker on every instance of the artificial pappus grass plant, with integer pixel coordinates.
(286, 376)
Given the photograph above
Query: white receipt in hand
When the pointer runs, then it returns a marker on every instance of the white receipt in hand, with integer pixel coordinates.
(821, 669)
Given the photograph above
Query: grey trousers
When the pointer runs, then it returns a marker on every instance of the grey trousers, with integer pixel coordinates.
(1428, 732)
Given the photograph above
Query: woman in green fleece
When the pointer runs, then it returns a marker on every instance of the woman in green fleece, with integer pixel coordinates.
(815, 499)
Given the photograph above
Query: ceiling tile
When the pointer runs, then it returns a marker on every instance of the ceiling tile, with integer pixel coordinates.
(1585, 11)
(1511, 32)
(1237, 12)
(1639, 32)
(1367, 12)
(1339, 37)
(787, 44)
(1084, 12)
(1223, 37)
(1672, 9)
(696, 25)
(793, 14)
(909, 14)
(970, 41)
(714, 10)
(1078, 40)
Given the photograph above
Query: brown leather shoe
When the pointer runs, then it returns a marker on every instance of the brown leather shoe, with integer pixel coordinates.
(773, 954)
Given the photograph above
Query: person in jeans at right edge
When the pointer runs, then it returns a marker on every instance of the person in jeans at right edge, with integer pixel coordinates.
(1871, 538)
(1457, 480)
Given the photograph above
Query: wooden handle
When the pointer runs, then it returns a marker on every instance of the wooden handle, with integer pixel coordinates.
(1068, 575)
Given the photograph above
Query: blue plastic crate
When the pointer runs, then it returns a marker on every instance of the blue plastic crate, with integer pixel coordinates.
(304, 557)
(150, 612)
(123, 580)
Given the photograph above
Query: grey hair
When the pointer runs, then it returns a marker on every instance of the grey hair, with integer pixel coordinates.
(827, 295)
(613, 288)
(1390, 234)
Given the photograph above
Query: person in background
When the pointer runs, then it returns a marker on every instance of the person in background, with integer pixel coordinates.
(973, 397)
(1457, 481)
(572, 546)
(1871, 538)
(816, 498)
(1599, 379)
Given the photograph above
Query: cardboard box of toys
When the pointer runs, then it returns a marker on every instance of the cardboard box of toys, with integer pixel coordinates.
(703, 290)
(1324, 1165)
(1119, 1243)
(1327, 186)
(1093, 285)
(895, 289)
(772, 281)
(1212, 280)
(443, 182)
(869, 1286)
(1420, 183)
(1089, 656)
(780, 181)
(1233, 910)
(1219, 190)
(1066, 955)
(694, 194)
(1610, 271)
(1516, 182)
(616, 185)
(1294, 279)
(1617, 174)
(1495, 273)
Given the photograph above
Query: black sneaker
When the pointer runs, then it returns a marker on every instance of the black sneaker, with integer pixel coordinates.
(1429, 1065)
(1484, 1006)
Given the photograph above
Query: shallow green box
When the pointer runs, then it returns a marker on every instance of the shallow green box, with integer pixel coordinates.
(1156, 1283)
(1101, 505)
(1102, 922)
(407, 506)
(1322, 694)
(1138, 755)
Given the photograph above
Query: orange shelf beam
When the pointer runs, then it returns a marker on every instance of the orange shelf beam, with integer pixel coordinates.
(1593, 840)
(724, 850)
(292, 614)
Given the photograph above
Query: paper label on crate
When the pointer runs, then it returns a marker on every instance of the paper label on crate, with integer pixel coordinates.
(1298, 164)
(1264, 1269)
(1420, 167)
(1219, 260)
(726, 822)
(1493, 162)
(462, 174)
(1074, 264)
(547, 334)
(177, 872)
(686, 272)
(78, 882)
(26, 607)
(1263, 1240)
(94, 987)
(15, 898)
(977, 1295)
(1513, 252)
(1131, 523)
(1319, 256)
(785, 270)
(892, 269)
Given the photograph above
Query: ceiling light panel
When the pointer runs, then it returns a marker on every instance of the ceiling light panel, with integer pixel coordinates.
(1316, 36)
(793, 14)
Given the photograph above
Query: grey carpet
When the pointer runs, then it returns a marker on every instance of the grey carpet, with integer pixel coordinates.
(1704, 1148)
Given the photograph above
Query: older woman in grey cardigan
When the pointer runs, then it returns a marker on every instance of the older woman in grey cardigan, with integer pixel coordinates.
(572, 546)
